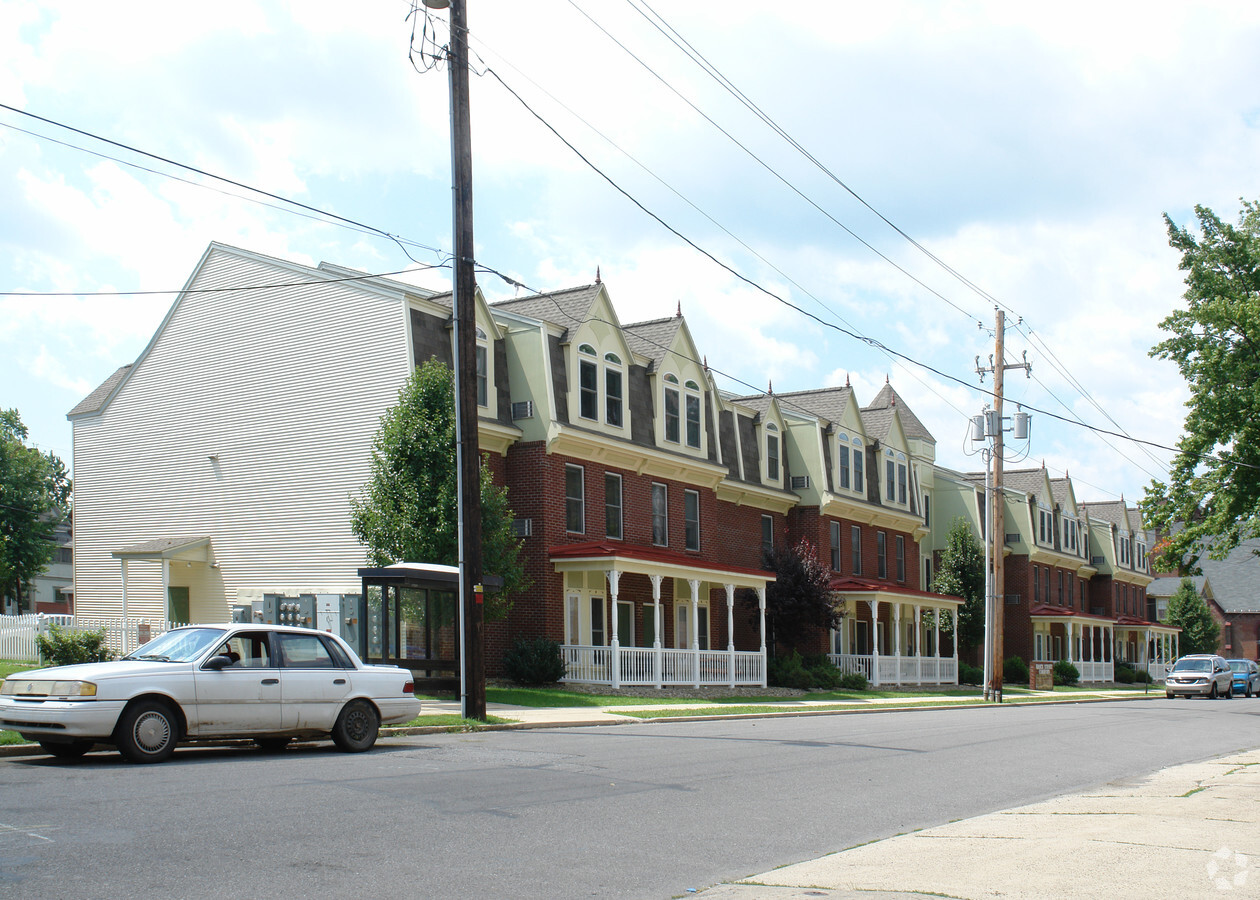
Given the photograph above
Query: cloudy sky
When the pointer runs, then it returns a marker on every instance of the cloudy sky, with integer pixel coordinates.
(1031, 148)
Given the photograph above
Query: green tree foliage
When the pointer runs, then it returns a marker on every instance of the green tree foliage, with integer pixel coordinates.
(799, 602)
(408, 509)
(1188, 611)
(1213, 487)
(961, 574)
(34, 498)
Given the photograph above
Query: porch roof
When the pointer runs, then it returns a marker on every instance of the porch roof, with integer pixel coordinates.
(1138, 622)
(192, 549)
(857, 587)
(652, 561)
(1049, 612)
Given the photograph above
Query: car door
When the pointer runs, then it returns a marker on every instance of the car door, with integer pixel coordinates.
(243, 697)
(314, 681)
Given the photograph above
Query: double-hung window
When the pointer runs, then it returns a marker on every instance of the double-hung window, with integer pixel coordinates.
(574, 500)
(901, 557)
(772, 452)
(693, 415)
(859, 462)
(612, 505)
(483, 371)
(890, 479)
(672, 410)
(881, 553)
(613, 393)
(691, 519)
(660, 515)
(767, 534)
(835, 546)
(902, 481)
(588, 383)
(842, 455)
(855, 548)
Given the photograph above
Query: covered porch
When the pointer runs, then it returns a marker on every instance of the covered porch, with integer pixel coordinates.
(894, 636)
(1147, 645)
(645, 616)
(1083, 640)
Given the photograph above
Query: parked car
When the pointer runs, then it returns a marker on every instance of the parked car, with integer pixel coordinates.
(1199, 675)
(1246, 677)
(271, 683)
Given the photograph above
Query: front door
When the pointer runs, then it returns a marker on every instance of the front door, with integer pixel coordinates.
(177, 605)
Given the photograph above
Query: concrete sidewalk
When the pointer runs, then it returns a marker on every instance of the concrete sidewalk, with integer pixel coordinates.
(1189, 831)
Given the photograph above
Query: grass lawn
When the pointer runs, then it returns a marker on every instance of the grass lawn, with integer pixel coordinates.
(453, 722)
(9, 666)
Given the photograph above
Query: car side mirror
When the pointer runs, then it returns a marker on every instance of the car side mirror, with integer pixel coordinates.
(222, 661)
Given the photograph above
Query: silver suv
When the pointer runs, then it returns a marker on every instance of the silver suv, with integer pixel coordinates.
(1201, 675)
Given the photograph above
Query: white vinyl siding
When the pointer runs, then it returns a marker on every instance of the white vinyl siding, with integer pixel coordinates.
(285, 386)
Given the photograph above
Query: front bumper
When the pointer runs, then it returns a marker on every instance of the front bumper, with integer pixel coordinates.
(39, 719)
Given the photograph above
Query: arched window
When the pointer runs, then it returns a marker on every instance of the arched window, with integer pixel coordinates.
(859, 466)
(588, 383)
(772, 452)
(613, 390)
(842, 462)
(903, 481)
(692, 399)
(672, 410)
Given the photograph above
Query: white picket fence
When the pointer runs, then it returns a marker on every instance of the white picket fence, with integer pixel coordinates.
(17, 633)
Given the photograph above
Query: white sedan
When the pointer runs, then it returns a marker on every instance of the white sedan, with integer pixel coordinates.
(271, 683)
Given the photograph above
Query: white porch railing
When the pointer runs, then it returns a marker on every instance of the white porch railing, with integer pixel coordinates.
(898, 669)
(17, 633)
(645, 666)
(1159, 670)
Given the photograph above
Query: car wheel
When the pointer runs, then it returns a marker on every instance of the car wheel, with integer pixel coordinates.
(148, 732)
(1169, 696)
(66, 749)
(356, 727)
(1247, 693)
(1229, 692)
(273, 744)
(1212, 691)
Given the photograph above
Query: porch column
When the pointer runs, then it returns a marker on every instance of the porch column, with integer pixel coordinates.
(874, 605)
(896, 611)
(955, 643)
(730, 634)
(695, 630)
(657, 667)
(761, 604)
(125, 648)
(1146, 649)
(936, 631)
(1071, 638)
(614, 646)
(918, 644)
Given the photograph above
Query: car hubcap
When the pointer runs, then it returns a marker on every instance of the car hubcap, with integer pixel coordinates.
(152, 731)
(357, 725)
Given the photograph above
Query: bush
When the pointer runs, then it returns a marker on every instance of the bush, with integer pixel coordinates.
(68, 647)
(1141, 676)
(970, 674)
(825, 675)
(805, 673)
(537, 661)
(1015, 671)
(1124, 675)
(853, 681)
(1065, 673)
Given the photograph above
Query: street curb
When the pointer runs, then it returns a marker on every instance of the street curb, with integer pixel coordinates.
(32, 749)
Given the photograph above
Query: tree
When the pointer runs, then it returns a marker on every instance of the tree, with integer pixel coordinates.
(799, 602)
(1213, 489)
(408, 509)
(961, 574)
(34, 499)
(1188, 611)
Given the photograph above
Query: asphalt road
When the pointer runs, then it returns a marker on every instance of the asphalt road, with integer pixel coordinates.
(625, 811)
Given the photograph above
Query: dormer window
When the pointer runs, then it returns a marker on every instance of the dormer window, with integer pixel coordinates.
(890, 476)
(859, 463)
(483, 370)
(902, 480)
(842, 459)
(672, 404)
(588, 382)
(693, 414)
(772, 452)
(613, 391)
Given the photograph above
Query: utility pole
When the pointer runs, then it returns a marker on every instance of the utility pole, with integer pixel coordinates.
(996, 502)
(472, 617)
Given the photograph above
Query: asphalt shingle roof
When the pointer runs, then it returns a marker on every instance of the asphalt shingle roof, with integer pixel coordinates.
(653, 338)
(95, 400)
(567, 308)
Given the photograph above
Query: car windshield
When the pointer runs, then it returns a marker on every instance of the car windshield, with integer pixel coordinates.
(1193, 665)
(1238, 665)
(180, 645)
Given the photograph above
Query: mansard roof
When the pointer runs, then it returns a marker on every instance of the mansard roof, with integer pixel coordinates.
(888, 398)
(826, 403)
(565, 308)
(1030, 481)
(1112, 511)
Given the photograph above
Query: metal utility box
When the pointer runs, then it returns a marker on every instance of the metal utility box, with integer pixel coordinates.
(242, 613)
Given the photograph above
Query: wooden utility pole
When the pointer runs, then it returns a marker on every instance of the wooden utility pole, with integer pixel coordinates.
(997, 523)
(472, 656)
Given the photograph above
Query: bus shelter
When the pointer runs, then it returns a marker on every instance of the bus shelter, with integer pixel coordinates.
(410, 618)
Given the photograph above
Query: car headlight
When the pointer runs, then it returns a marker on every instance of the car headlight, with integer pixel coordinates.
(70, 690)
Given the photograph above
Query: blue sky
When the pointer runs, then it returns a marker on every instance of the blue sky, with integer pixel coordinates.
(1032, 148)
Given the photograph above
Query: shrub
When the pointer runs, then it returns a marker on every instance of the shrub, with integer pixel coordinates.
(790, 672)
(853, 681)
(970, 674)
(1141, 676)
(67, 647)
(1014, 671)
(824, 674)
(537, 661)
(1066, 673)
(1124, 675)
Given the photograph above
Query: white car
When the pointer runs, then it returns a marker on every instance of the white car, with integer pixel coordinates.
(271, 683)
